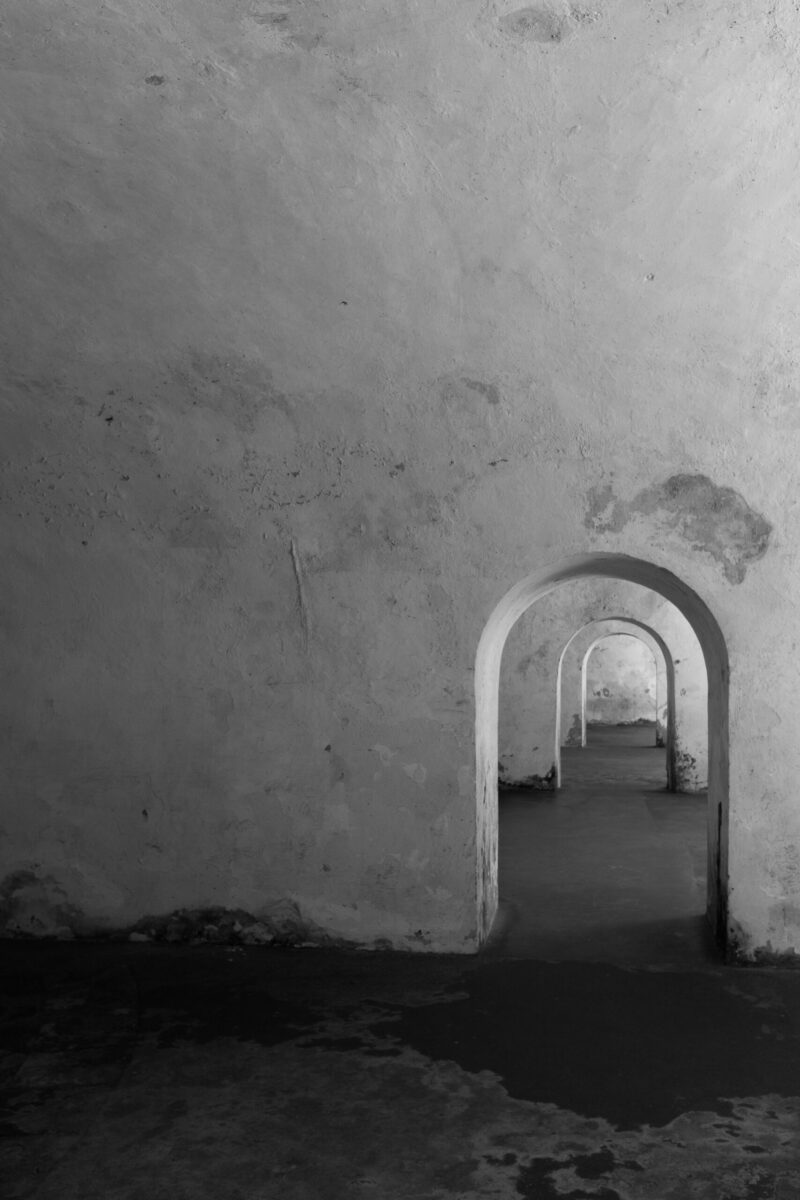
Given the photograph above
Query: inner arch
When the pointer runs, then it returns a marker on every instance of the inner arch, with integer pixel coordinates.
(656, 637)
(601, 643)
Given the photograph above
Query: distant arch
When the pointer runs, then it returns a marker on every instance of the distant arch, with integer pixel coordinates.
(602, 641)
(640, 627)
(487, 682)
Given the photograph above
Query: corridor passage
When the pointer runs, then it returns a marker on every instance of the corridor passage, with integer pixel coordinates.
(611, 868)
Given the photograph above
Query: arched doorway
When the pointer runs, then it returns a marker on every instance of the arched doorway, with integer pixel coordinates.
(487, 676)
(651, 637)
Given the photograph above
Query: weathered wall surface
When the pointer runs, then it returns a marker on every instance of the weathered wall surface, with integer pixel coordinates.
(621, 682)
(321, 328)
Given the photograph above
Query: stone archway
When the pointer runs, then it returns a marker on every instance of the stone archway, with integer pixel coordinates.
(487, 676)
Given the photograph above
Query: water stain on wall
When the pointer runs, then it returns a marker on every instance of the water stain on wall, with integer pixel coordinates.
(488, 390)
(299, 26)
(458, 391)
(238, 388)
(716, 520)
(200, 528)
(221, 708)
(33, 905)
(575, 732)
(537, 23)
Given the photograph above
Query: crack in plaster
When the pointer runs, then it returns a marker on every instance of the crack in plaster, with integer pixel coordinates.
(301, 596)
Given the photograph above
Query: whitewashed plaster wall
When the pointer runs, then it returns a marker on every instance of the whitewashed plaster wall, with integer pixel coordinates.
(621, 682)
(321, 328)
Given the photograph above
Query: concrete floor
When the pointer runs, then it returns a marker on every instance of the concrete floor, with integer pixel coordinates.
(612, 867)
(632, 1065)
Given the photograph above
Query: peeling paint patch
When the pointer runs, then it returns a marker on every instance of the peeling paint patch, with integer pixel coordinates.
(466, 393)
(416, 771)
(742, 952)
(687, 776)
(575, 733)
(487, 390)
(533, 783)
(279, 924)
(36, 906)
(384, 754)
(716, 520)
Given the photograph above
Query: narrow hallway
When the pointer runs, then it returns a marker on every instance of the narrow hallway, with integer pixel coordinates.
(610, 868)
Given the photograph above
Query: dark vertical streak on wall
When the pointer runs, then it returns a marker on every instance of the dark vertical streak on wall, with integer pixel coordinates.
(301, 597)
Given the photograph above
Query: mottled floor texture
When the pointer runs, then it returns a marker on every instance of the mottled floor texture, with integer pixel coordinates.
(622, 1068)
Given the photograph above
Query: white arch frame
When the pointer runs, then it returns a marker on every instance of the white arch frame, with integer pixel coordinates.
(487, 683)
